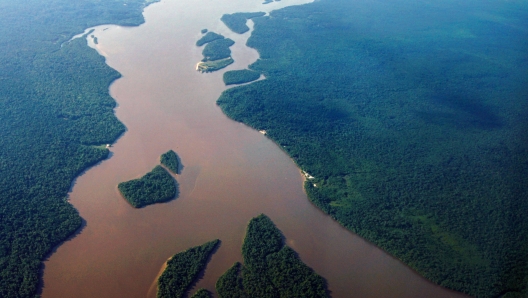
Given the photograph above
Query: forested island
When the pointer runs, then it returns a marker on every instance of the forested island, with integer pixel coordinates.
(182, 270)
(216, 52)
(217, 49)
(237, 21)
(155, 187)
(208, 37)
(171, 160)
(270, 268)
(55, 111)
(242, 76)
(412, 119)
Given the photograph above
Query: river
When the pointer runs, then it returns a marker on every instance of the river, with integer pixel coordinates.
(231, 173)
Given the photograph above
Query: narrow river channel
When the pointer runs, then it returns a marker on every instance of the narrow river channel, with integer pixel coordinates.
(231, 173)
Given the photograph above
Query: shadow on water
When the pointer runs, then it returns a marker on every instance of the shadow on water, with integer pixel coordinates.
(461, 111)
(180, 165)
(41, 285)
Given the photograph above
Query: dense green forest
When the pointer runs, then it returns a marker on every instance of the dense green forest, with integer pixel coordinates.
(201, 293)
(182, 270)
(237, 21)
(171, 160)
(210, 66)
(155, 187)
(210, 36)
(270, 269)
(412, 117)
(217, 49)
(54, 107)
(216, 52)
(241, 76)
(230, 283)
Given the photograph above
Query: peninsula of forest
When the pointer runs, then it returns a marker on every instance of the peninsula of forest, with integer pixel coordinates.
(411, 117)
(270, 269)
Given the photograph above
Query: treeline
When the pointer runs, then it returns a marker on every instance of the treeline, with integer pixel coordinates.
(237, 21)
(54, 105)
(171, 160)
(417, 140)
(240, 76)
(155, 187)
(270, 269)
(183, 269)
(210, 36)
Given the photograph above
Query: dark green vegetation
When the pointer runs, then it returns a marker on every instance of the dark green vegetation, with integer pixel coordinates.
(237, 21)
(230, 283)
(201, 293)
(217, 49)
(412, 117)
(182, 270)
(155, 187)
(210, 36)
(216, 52)
(270, 269)
(171, 160)
(240, 76)
(54, 109)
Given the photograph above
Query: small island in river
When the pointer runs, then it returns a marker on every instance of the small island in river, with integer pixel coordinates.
(216, 52)
(217, 49)
(210, 66)
(271, 269)
(171, 160)
(182, 271)
(155, 187)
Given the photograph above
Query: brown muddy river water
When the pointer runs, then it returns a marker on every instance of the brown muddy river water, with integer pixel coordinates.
(231, 173)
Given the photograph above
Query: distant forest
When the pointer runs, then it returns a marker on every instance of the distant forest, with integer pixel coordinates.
(237, 21)
(54, 111)
(412, 117)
